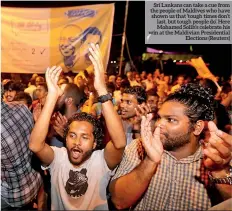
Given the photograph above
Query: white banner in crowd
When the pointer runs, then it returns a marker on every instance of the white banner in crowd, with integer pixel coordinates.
(35, 38)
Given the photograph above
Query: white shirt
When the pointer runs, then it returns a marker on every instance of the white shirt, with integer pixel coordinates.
(82, 188)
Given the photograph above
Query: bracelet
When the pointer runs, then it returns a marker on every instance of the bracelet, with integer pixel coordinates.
(135, 131)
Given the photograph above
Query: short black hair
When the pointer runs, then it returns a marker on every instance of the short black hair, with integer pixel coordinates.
(23, 96)
(43, 84)
(197, 99)
(97, 126)
(73, 91)
(152, 92)
(11, 85)
(138, 91)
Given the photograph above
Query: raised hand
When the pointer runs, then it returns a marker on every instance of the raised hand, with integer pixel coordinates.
(218, 150)
(52, 77)
(96, 59)
(151, 142)
(59, 123)
(141, 110)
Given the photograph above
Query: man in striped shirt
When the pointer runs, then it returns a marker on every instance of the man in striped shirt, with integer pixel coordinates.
(166, 170)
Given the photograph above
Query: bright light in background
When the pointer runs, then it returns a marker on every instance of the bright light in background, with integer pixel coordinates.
(180, 60)
(174, 60)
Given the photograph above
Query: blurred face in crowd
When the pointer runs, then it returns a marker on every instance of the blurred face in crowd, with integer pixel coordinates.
(118, 81)
(106, 78)
(112, 78)
(180, 80)
(137, 78)
(166, 79)
(128, 104)
(175, 128)
(39, 80)
(80, 142)
(80, 81)
(153, 102)
(143, 75)
(9, 95)
(156, 73)
(129, 75)
(41, 92)
(62, 81)
(149, 76)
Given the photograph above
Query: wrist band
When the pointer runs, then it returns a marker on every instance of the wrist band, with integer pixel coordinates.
(135, 131)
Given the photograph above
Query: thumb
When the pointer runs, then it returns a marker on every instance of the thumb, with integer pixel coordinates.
(212, 127)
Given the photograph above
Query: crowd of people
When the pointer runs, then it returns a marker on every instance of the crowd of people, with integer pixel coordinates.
(137, 141)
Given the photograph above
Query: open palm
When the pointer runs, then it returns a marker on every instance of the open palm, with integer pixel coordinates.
(151, 142)
(52, 77)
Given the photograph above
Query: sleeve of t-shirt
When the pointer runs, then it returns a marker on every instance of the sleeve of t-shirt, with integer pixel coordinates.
(103, 161)
(59, 157)
(129, 161)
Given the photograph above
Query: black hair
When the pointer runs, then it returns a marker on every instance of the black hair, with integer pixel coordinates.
(43, 84)
(197, 99)
(97, 126)
(110, 87)
(152, 92)
(11, 85)
(125, 84)
(210, 84)
(23, 96)
(73, 91)
(138, 91)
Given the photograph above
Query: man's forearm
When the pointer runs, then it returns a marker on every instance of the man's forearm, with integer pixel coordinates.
(128, 189)
(114, 125)
(224, 189)
(40, 130)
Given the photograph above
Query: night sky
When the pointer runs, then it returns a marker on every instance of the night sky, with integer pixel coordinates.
(219, 56)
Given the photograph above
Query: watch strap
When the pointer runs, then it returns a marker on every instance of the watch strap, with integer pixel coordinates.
(104, 98)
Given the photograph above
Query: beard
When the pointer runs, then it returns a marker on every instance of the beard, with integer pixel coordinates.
(85, 156)
(171, 143)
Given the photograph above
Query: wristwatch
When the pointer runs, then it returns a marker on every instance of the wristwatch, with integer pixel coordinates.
(223, 180)
(104, 98)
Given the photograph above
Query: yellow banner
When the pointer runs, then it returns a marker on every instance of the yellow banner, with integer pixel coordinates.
(33, 39)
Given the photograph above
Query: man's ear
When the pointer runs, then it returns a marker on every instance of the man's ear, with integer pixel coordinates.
(198, 127)
(94, 144)
(68, 100)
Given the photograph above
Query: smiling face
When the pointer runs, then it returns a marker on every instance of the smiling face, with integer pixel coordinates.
(80, 142)
(176, 128)
(9, 95)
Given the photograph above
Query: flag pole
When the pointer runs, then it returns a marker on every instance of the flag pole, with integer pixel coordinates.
(123, 37)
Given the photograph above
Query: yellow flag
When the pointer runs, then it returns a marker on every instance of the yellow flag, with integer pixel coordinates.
(34, 39)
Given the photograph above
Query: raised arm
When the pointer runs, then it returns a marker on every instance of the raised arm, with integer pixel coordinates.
(115, 148)
(128, 189)
(37, 140)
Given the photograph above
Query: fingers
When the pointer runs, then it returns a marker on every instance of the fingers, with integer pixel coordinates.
(224, 150)
(53, 73)
(95, 57)
(60, 120)
(212, 127)
(219, 136)
(143, 110)
(157, 141)
(217, 159)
